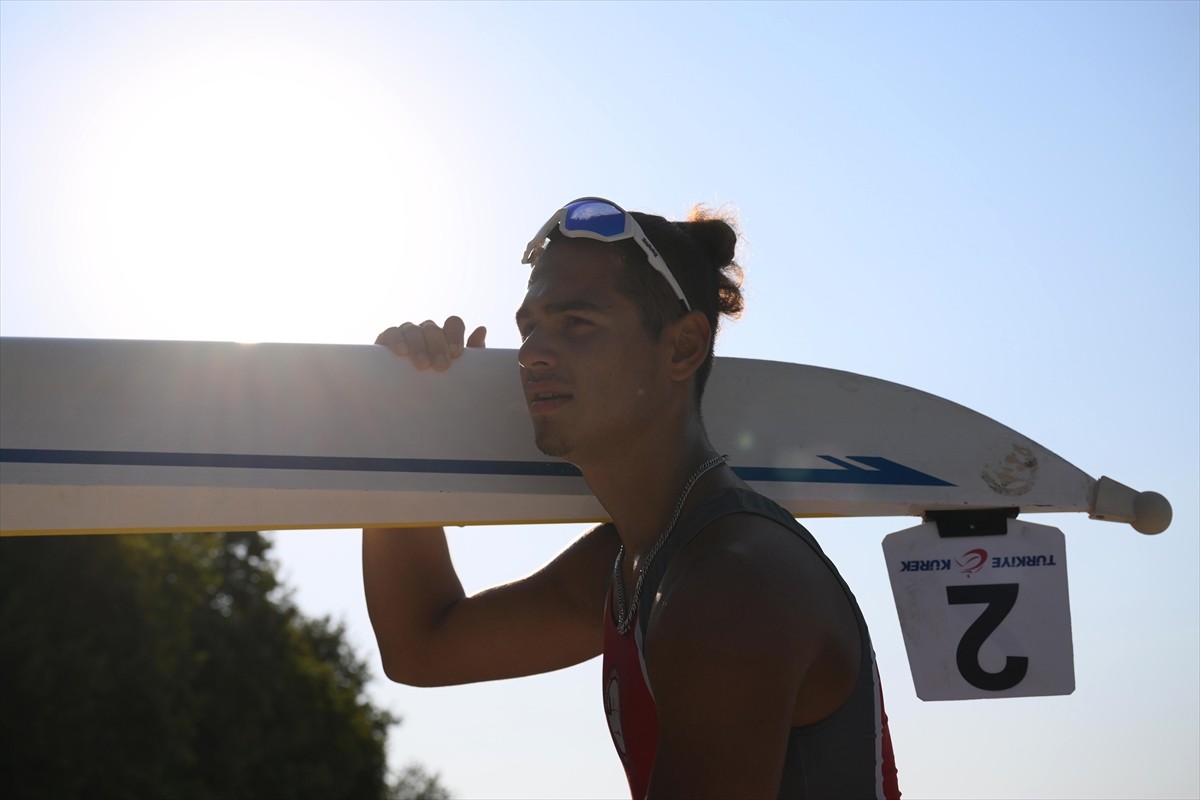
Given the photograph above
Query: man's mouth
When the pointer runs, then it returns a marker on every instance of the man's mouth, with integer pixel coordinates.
(541, 402)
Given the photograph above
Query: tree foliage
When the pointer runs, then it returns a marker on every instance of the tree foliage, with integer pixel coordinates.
(176, 666)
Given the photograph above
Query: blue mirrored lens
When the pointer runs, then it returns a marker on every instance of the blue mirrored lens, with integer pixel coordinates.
(599, 218)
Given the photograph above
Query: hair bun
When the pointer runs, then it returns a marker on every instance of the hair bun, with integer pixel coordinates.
(715, 233)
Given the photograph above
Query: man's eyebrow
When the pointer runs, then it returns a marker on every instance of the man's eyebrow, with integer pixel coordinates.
(578, 304)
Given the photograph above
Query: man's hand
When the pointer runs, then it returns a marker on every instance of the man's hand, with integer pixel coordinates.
(428, 345)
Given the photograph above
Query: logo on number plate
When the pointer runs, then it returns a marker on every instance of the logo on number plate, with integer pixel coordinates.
(972, 561)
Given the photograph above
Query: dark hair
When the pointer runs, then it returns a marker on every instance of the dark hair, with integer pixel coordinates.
(700, 253)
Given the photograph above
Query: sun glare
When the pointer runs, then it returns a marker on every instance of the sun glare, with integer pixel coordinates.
(224, 188)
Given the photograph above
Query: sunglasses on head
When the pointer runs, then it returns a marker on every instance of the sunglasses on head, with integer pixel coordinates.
(604, 221)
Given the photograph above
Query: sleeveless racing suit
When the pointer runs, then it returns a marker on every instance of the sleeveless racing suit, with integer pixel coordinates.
(846, 755)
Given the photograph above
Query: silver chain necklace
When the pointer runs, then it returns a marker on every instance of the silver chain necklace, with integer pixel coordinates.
(625, 620)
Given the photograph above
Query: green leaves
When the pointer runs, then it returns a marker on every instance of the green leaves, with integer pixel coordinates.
(176, 666)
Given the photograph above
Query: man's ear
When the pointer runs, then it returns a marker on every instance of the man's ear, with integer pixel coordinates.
(690, 337)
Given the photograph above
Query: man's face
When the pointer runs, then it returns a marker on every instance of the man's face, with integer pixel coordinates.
(592, 375)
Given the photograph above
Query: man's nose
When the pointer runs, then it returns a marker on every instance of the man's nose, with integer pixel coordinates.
(536, 352)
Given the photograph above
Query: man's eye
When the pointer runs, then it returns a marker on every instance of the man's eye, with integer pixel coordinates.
(573, 322)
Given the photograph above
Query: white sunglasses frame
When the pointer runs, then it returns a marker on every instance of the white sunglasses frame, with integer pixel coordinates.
(537, 245)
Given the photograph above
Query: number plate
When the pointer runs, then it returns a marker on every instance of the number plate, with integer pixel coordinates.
(984, 616)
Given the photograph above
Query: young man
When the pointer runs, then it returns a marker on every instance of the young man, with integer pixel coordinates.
(736, 661)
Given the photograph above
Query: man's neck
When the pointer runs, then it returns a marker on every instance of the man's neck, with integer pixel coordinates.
(640, 486)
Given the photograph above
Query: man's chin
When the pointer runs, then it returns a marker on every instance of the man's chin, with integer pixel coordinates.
(551, 442)
(555, 448)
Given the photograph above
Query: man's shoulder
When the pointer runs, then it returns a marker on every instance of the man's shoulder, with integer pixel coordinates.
(740, 508)
(746, 557)
(748, 541)
(744, 568)
(733, 602)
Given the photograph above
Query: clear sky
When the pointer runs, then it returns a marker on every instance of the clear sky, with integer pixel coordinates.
(997, 203)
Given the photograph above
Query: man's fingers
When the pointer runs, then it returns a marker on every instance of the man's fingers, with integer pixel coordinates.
(433, 348)
(428, 344)
(453, 330)
(393, 339)
(477, 336)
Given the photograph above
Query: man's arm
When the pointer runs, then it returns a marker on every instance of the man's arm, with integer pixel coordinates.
(430, 633)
